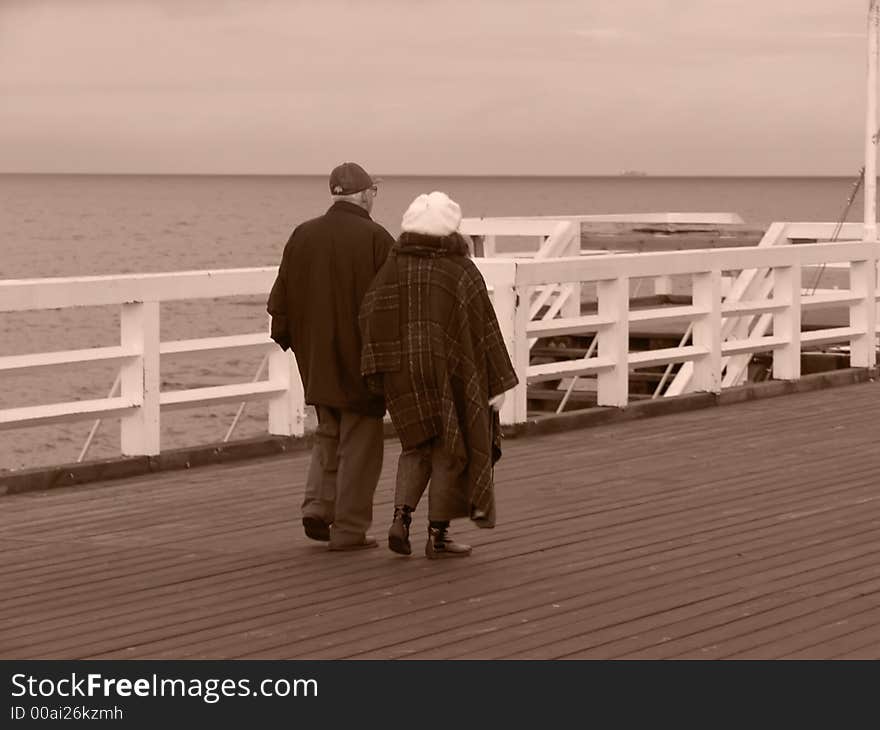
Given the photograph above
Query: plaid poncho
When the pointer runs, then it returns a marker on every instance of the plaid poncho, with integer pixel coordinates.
(432, 344)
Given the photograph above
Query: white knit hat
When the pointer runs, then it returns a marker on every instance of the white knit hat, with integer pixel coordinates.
(433, 215)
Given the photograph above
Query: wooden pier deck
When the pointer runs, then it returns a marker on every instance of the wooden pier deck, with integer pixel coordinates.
(746, 531)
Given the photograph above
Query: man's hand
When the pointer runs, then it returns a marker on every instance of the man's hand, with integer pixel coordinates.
(497, 401)
(375, 384)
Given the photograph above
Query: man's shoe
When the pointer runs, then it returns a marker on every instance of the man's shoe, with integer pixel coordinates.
(367, 542)
(441, 545)
(398, 535)
(316, 529)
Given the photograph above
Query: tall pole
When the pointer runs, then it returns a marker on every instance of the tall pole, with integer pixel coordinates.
(871, 123)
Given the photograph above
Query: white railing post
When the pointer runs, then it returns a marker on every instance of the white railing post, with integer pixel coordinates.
(287, 409)
(521, 353)
(512, 310)
(787, 322)
(489, 245)
(870, 212)
(707, 331)
(662, 285)
(613, 384)
(139, 378)
(863, 314)
(572, 306)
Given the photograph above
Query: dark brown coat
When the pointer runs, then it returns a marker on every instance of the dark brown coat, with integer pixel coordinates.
(325, 271)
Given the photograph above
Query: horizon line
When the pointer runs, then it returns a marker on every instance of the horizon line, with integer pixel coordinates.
(640, 176)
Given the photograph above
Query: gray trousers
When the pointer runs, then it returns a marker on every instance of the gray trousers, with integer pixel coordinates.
(416, 468)
(344, 471)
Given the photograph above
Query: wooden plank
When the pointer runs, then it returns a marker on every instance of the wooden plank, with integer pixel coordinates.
(826, 336)
(40, 360)
(752, 344)
(568, 368)
(17, 295)
(218, 394)
(829, 299)
(664, 356)
(64, 412)
(206, 344)
(566, 326)
(663, 314)
(750, 306)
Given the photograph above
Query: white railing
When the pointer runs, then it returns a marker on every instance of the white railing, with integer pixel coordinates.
(139, 352)
(513, 284)
(707, 312)
(751, 284)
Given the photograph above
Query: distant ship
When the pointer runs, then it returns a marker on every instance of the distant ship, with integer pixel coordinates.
(633, 173)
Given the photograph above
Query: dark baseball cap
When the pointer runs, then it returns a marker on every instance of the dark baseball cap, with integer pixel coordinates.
(349, 178)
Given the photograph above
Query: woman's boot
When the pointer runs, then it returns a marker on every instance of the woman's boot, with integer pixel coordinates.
(398, 535)
(441, 545)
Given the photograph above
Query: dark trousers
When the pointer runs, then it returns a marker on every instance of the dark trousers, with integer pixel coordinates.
(344, 472)
(421, 465)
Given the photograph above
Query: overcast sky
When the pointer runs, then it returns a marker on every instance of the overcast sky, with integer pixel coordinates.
(569, 87)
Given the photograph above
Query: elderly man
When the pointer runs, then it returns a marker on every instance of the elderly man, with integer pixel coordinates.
(433, 347)
(326, 268)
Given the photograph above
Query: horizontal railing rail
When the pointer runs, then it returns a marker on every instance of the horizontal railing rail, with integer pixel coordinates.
(17, 295)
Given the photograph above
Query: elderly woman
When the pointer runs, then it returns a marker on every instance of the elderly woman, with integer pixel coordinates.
(432, 346)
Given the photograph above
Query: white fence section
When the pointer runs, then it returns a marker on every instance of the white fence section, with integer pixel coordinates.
(516, 285)
(139, 352)
(784, 302)
(757, 284)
